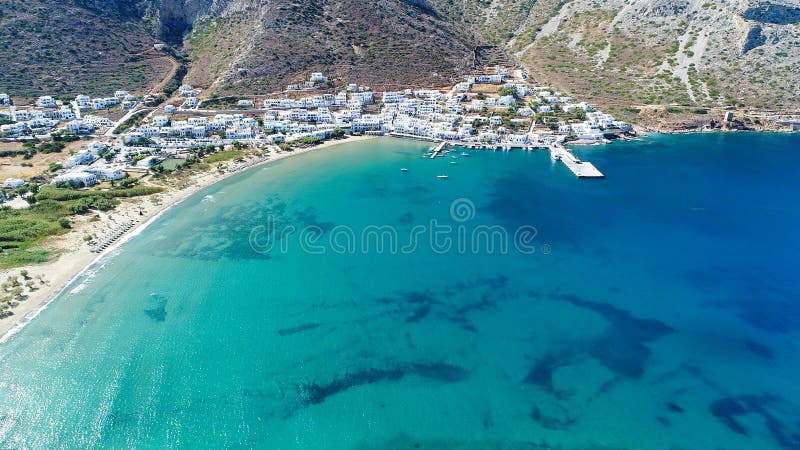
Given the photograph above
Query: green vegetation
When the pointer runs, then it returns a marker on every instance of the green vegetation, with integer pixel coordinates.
(133, 121)
(224, 155)
(510, 90)
(221, 102)
(48, 215)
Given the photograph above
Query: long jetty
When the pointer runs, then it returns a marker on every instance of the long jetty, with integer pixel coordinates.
(581, 169)
(438, 150)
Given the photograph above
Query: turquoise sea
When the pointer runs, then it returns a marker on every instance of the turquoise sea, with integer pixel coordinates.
(331, 301)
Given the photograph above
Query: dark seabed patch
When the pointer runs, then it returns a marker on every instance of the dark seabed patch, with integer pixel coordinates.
(541, 374)
(621, 348)
(419, 314)
(298, 329)
(551, 422)
(315, 393)
(449, 303)
(406, 219)
(159, 312)
(309, 217)
(728, 409)
(674, 407)
(759, 349)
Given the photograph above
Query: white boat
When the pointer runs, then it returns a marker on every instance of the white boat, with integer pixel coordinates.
(403, 170)
(464, 154)
(442, 177)
(453, 163)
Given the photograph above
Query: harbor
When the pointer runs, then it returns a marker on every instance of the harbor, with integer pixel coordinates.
(581, 169)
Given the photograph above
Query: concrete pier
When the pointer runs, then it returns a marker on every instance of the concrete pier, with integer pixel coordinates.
(438, 150)
(581, 169)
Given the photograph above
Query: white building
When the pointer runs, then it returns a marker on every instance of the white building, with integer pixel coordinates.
(185, 90)
(13, 129)
(5, 99)
(367, 122)
(106, 172)
(83, 101)
(318, 77)
(81, 177)
(79, 127)
(506, 100)
(80, 158)
(46, 101)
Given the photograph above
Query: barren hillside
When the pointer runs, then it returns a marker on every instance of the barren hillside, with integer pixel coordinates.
(618, 53)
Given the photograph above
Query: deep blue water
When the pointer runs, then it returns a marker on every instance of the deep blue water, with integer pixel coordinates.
(657, 308)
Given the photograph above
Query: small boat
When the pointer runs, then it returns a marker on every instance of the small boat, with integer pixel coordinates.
(453, 163)
(464, 154)
(403, 170)
(453, 156)
(442, 177)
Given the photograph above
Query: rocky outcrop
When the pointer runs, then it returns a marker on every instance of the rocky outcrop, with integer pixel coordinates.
(774, 13)
(755, 38)
(665, 8)
(175, 17)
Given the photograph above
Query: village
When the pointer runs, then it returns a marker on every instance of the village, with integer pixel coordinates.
(499, 108)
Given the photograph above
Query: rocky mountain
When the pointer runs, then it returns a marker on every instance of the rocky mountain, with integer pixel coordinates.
(684, 52)
(621, 53)
(63, 47)
(259, 47)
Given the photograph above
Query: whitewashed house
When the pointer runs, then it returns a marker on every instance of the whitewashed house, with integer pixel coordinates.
(79, 127)
(66, 113)
(46, 101)
(81, 177)
(318, 77)
(13, 129)
(5, 99)
(106, 172)
(367, 122)
(185, 90)
(80, 158)
(161, 121)
(506, 100)
(83, 101)
(476, 105)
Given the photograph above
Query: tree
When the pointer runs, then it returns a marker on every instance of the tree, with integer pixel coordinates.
(508, 90)
(24, 274)
(337, 133)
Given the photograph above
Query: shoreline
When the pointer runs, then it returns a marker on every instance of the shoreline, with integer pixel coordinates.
(76, 258)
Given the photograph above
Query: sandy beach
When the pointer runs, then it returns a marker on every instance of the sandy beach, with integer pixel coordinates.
(130, 217)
